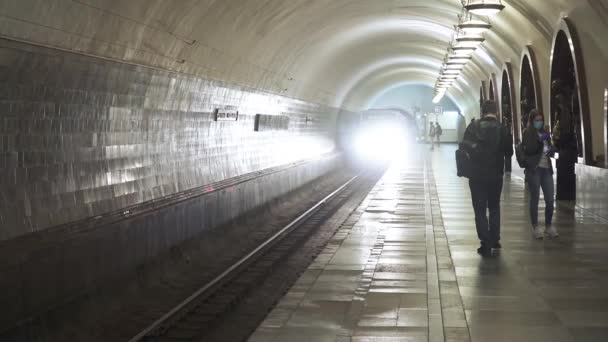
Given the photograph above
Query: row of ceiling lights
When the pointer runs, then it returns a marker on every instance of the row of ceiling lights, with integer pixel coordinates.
(467, 37)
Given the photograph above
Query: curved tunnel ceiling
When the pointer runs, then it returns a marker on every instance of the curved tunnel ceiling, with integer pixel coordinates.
(339, 52)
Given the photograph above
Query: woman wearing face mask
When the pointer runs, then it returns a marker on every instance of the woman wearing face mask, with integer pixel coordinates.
(538, 150)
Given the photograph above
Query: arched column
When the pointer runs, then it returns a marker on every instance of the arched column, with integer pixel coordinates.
(566, 45)
(570, 108)
(507, 99)
(483, 95)
(493, 93)
(530, 94)
(606, 128)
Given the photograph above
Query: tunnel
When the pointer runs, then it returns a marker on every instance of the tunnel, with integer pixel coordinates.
(272, 170)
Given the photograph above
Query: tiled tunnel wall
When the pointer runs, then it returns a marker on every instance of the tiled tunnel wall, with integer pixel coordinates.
(40, 273)
(81, 136)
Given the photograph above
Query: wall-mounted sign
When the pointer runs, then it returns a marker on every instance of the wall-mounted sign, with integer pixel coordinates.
(266, 122)
(222, 114)
(438, 110)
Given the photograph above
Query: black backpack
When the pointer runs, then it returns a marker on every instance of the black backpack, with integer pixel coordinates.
(464, 158)
(464, 164)
(467, 155)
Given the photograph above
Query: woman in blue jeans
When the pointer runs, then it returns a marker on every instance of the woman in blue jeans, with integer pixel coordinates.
(538, 151)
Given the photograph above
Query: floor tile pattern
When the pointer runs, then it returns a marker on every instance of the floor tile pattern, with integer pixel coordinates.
(404, 267)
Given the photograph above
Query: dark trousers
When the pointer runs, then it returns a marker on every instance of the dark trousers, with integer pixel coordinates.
(485, 195)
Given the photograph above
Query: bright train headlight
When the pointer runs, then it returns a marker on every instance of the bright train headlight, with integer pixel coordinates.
(381, 142)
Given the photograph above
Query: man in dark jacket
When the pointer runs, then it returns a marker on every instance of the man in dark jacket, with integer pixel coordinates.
(488, 143)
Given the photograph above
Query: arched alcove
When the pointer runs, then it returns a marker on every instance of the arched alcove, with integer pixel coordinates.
(507, 100)
(569, 111)
(482, 95)
(605, 128)
(491, 91)
(529, 87)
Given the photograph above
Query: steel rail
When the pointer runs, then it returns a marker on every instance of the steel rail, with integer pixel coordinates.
(224, 275)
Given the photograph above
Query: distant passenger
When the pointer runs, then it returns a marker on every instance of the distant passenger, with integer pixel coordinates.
(438, 133)
(538, 150)
(487, 142)
(432, 135)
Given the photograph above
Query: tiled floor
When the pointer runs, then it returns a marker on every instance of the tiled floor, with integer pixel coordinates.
(403, 267)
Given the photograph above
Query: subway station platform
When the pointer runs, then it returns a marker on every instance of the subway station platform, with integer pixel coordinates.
(404, 267)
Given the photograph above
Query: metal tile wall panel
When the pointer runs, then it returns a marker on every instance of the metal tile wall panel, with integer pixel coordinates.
(81, 136)
(73, 264)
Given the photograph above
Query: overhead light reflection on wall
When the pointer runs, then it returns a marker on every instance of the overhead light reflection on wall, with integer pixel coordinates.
(439, 96)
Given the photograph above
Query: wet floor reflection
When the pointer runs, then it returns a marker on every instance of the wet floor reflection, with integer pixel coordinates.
(406, 269)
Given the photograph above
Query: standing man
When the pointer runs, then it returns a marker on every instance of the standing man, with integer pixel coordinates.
(438, 132)
(487, 142)
(432, 135)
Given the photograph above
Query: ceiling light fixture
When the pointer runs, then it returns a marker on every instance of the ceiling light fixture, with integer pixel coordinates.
(455, 59)
(451, 72)
(484, 7)
(458, 66)
(470, 40)
(474, 26)
(457, 62)
(461, 50)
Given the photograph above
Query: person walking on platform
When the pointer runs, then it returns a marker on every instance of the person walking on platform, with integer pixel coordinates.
(487, 142)
(432, 135)
(438, 133)
(537, 150)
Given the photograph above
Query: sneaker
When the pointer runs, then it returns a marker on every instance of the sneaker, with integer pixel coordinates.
(484, 251)
(551, 231)
(538, 233)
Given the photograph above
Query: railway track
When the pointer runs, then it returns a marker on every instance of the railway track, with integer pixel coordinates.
(196, 315)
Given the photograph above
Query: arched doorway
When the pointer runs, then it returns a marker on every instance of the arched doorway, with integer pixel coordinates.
(569, 109)
(507, 100)
(482, 95)
(491, 97)
(506, 106)
(529, 87)
(606, 128)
